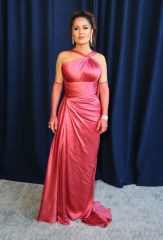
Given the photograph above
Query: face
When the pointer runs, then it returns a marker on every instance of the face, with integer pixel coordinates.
(81, 30)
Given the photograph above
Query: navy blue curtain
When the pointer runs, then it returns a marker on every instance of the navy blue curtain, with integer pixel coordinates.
(130, 36)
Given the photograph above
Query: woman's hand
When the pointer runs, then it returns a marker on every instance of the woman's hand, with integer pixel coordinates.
(52, 124)
(102, 126)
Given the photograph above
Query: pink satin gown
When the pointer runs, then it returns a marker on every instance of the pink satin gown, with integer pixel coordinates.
(69, 182)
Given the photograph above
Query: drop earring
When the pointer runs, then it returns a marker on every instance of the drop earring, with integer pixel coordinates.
(72, 41)
(91, 39)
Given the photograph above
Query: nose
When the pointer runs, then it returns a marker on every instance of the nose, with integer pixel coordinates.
(80, 31)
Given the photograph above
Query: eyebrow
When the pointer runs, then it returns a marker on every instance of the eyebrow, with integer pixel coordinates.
(78, 26)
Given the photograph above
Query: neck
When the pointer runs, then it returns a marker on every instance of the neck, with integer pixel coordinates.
(83, 48)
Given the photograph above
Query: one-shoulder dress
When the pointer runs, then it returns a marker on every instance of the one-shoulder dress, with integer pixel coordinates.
(68, 190)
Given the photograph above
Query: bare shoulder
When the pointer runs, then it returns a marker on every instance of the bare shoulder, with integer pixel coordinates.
(101, 57)
(62, 56)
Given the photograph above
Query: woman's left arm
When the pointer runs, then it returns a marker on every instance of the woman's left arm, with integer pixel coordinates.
(104, 96)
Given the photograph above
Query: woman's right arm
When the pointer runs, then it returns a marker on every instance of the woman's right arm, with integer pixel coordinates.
(56, 94)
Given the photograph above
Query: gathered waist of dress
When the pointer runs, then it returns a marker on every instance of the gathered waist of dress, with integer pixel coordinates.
(80, 89)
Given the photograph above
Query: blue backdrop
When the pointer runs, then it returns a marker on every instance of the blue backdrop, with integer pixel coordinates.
(130, 35)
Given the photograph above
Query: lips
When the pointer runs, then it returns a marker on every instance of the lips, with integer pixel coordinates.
(81, 37)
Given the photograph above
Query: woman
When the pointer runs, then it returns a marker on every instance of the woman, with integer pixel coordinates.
(69, 182)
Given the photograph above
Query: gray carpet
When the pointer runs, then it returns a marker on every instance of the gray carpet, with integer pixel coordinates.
(137, 214)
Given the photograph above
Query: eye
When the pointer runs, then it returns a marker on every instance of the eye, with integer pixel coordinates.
(75, 28)
(85, 27)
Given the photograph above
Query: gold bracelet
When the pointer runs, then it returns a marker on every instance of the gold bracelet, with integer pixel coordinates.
(58, 82)
(102, 82)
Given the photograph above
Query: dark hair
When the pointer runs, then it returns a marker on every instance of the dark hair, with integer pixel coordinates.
(91, 19)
